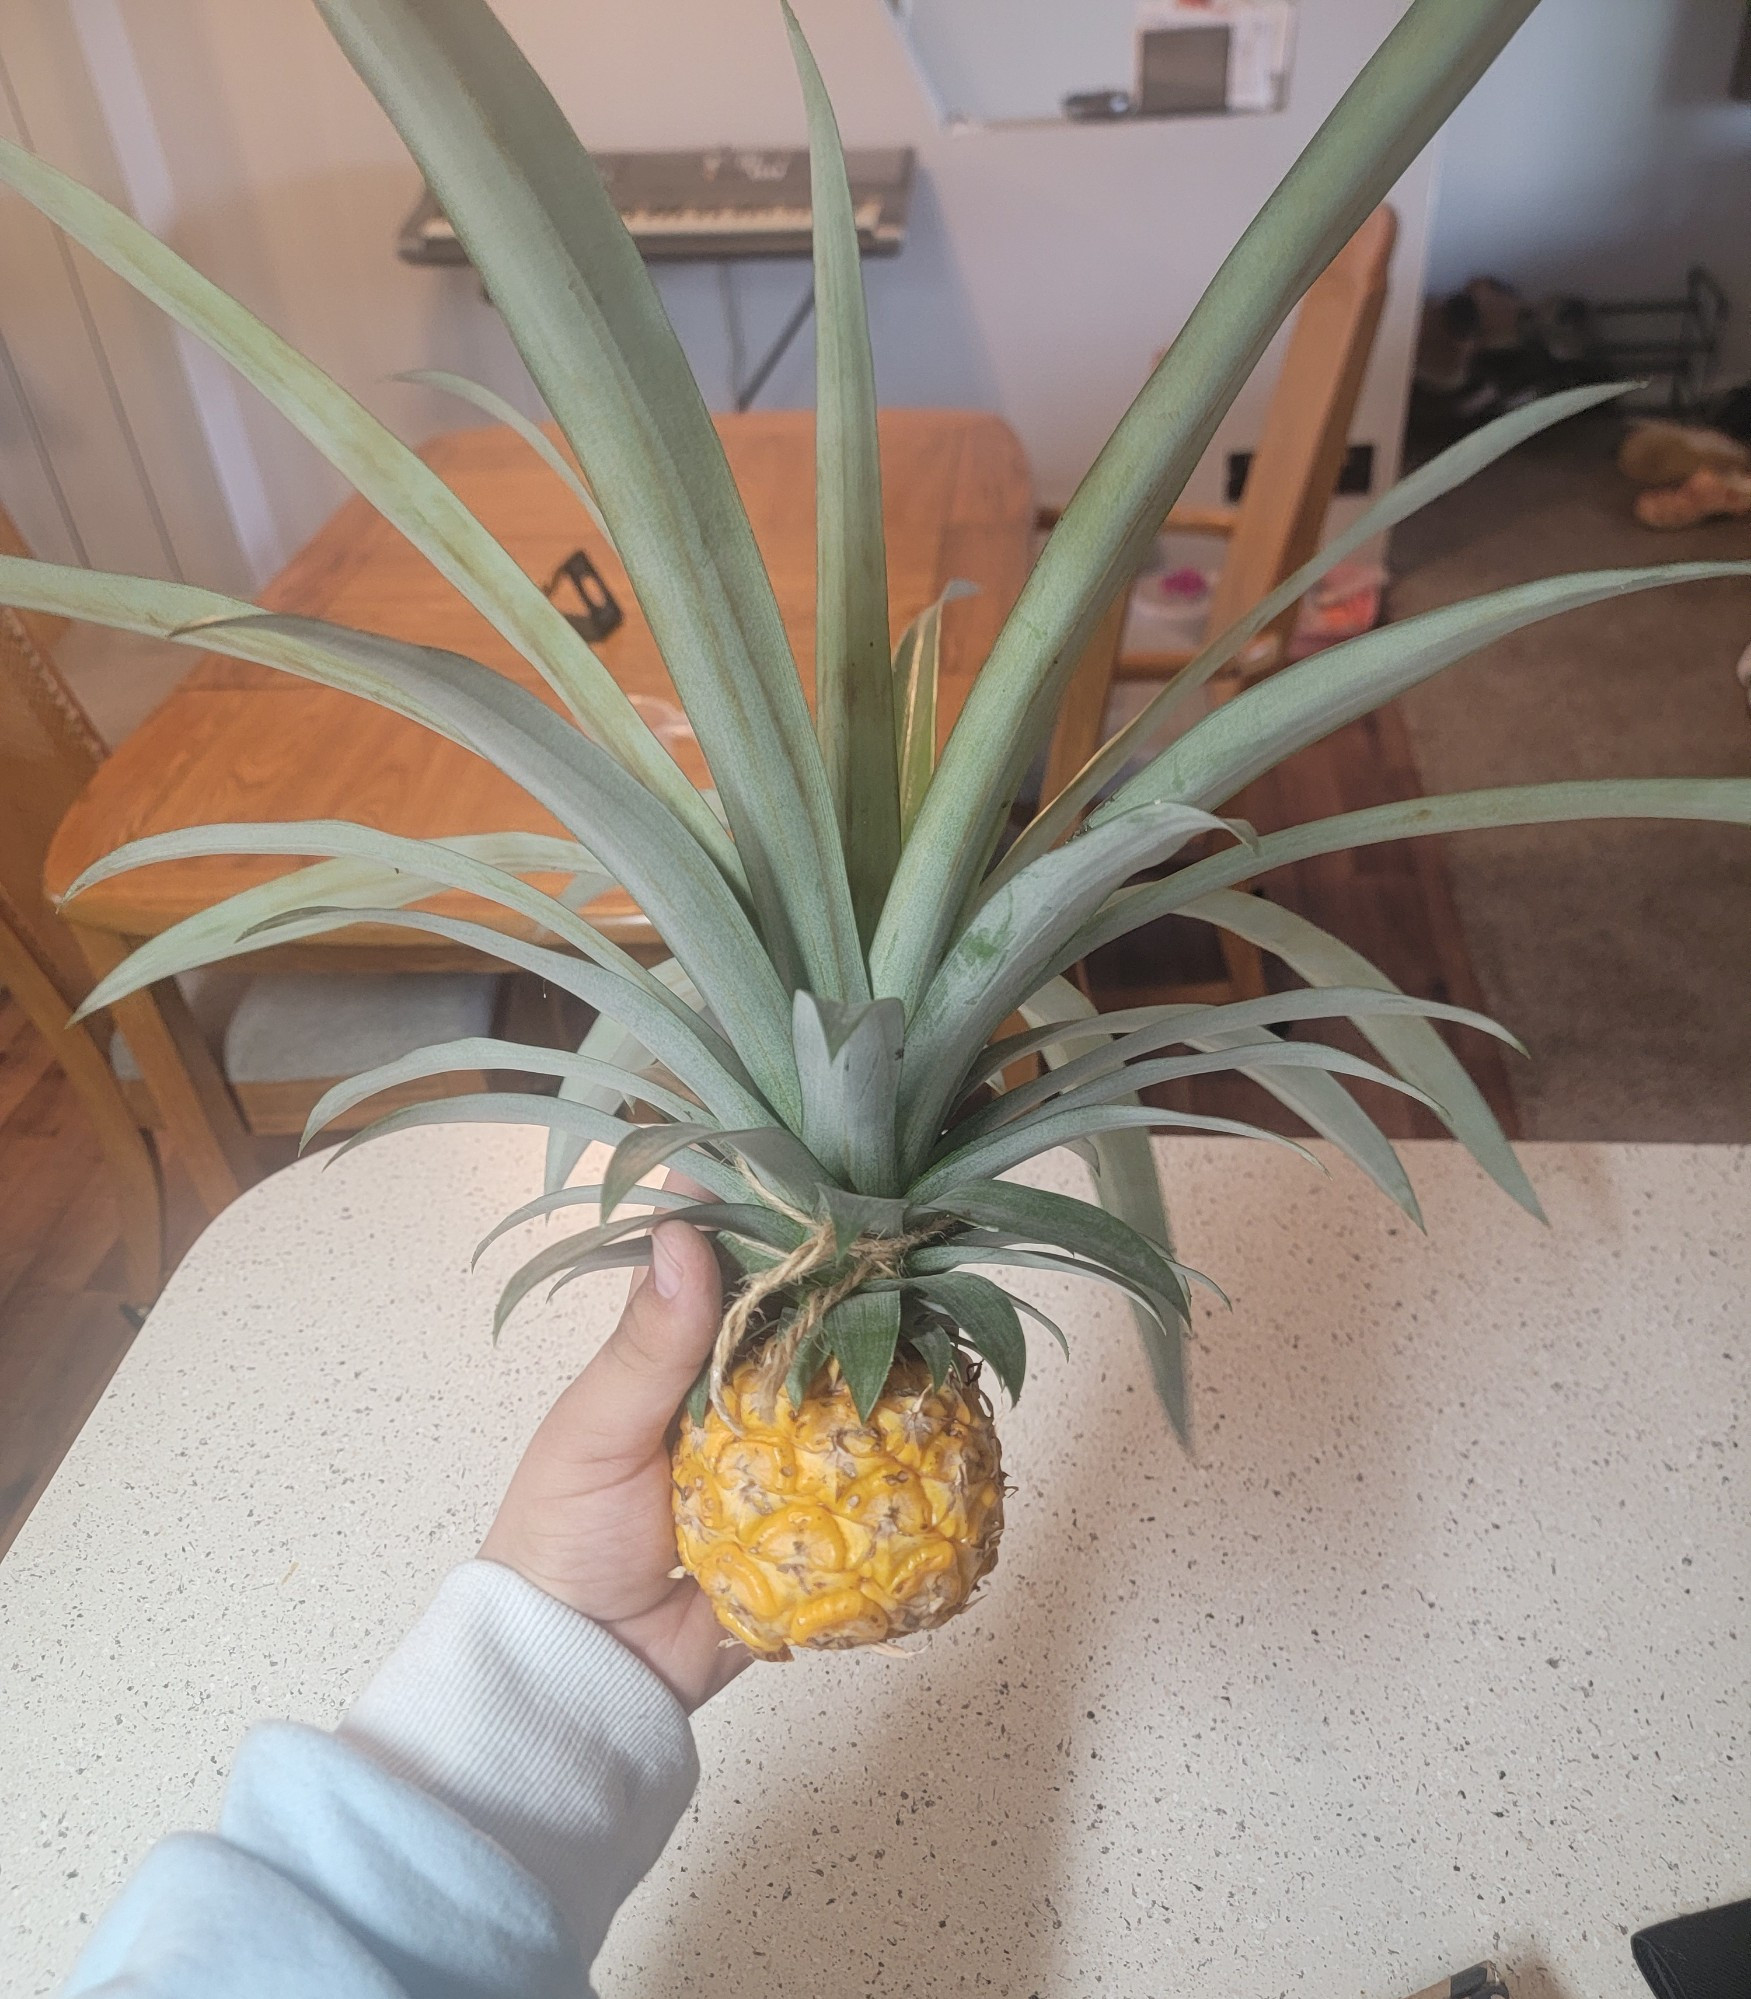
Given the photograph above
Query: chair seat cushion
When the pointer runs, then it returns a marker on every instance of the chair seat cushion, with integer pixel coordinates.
(298, 1026)
(291, 1027)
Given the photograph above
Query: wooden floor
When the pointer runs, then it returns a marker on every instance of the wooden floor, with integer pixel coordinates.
(62, 1326)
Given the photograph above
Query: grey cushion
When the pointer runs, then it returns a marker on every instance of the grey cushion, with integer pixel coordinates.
(291, 1027)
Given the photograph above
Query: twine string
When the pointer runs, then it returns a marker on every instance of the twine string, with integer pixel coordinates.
(866, 1258)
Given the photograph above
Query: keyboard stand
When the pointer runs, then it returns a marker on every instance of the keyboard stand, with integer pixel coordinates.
(720, 207)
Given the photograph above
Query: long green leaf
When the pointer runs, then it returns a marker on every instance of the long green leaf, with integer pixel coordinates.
(1323, 1104)
(862, 1332)
(1141, 1030)
(986, 1314)
(530, 209)
(1442, 474)
(664, 1199)
(430, 861)
(608, 1041)
(396, 481)
(635, 836)
(513, 418)
(218, 932)
(1422, 70)
(776, 1154)
(1119, 1080)
(917, 675)
(515, 1108)
(1085, 1231)
(683, 1047)
(442, 1058)
(571, 1251)
(1410, 1045)
(1251, 734)
(1127, 1185)
(848, 1064)
(1015, 1143)
(854, 686)
(1008, 948)
(663, 866)
(1726, 800)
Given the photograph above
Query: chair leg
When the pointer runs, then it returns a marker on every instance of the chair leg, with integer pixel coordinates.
(134, 1168)
(1082, 712)
(200, 1120)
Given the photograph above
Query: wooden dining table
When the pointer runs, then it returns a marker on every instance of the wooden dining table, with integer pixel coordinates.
(236, 741)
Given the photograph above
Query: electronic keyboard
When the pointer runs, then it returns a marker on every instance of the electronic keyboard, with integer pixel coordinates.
(733, 201)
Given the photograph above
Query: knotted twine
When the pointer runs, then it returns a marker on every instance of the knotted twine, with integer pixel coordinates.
(865, 1258)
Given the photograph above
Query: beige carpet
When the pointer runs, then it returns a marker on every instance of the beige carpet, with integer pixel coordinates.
(1620, 953)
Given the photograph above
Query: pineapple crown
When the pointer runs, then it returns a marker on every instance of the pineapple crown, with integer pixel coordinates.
(829, 1052)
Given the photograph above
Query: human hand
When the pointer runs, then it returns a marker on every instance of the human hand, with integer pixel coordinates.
(587, 1514)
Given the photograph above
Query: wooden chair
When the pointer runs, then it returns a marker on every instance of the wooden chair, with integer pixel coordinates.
(1275, 528)
(48, 752)
(47, 749)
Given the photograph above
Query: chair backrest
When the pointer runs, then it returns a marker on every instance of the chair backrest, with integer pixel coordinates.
(48, 751)
(1306, 430)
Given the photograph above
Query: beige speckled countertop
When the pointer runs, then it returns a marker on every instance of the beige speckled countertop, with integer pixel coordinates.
(1438, 1649)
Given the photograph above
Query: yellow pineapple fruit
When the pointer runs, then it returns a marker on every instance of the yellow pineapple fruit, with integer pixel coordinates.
(816, 1527)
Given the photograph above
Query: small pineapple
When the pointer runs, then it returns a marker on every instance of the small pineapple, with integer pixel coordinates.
(832, 1055)
(819, 1527)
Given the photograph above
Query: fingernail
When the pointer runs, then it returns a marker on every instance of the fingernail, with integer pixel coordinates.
(665, 1265)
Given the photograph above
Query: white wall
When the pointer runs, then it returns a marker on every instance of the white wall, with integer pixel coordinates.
(1602, 155)
(1046, 267)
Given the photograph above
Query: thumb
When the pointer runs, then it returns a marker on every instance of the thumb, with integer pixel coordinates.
(627, 1396)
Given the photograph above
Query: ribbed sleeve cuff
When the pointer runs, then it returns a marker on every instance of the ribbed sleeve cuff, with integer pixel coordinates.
(539, 1729)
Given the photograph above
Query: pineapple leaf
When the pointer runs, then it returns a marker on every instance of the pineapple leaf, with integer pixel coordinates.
(1015, 1143)
(538, 224)
(1245, 737)
(1085, 1231)
(848, 1069)
(1443, 473)
(854, 682)
(1116, 1083)
(642, 1151)
(608, 1041)
(987, 1317)
(682, 1048)
(1032, 1311)
(215, 933)
(635, 1255)
(806, 1363)
(1396, 105)
(1724, 800)
(1127, 1183)
(862, 1333)
(699, 1396)
(566, 1254)
(1012, 943)
(853, 1215)
(632, 833)
(937, 1350)
(1323, 1104)
(1411, 1046)
(1144, 1028)
(917, 672)
(662, 1198)
(513, 418)
(443, 1058)
(398, 483)
(772, 1151)
(430, 861)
